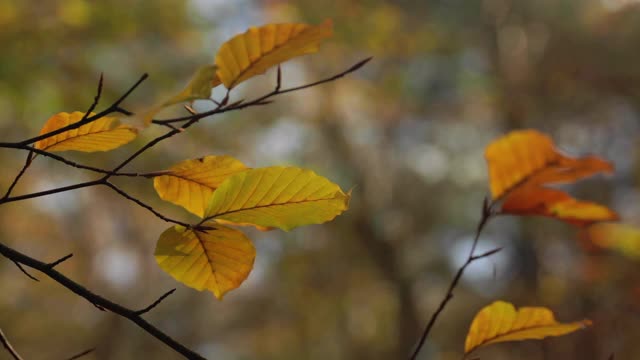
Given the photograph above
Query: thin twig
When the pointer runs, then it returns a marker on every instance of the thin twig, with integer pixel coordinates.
(486, 215)
(27, 162)
(96, 99)
(60, 261)
(155, 303)
(78, 356)
(139, 202)
(277, 91)
(97, 300)
(7, 345)
(25, 271)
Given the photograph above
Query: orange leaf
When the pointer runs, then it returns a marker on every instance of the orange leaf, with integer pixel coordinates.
(515, 157)
(534, 200)
(528, 157)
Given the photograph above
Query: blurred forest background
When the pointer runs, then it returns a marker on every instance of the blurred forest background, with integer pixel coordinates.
(407, 132)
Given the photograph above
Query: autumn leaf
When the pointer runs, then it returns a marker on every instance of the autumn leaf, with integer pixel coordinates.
(253, 52)
(523, 162)
(199, 87)
(516, 156)
(531, 200)
(282, 197)
(500, 322)
(103, 134)
(218, 260)
(191, 183)
(528, 157)
(616, 236)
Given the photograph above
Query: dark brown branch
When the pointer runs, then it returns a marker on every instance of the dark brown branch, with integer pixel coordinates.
(97, 300)
(486, 215)
(25, 271)
(51, 191)
(139, 202)
(27, 162)
(277, 91)
(74, 164)
(78, 356)
(96, 99)
(60, 261)
(7, 345)
(155, 303)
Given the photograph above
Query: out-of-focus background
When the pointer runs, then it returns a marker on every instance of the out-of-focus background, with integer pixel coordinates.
(406, 132)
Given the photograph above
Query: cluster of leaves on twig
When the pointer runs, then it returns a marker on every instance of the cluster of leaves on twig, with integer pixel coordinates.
(523, 165)
(211, 254)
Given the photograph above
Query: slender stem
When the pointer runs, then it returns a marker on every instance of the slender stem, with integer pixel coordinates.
(50, 192)
(27, 162)
(260, 100)
(84, 353)
(139, 202)
(97, 300)
(486, 215)
(7, 345)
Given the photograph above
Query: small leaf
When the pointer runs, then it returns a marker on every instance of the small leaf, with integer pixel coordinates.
(252, 53)
(621, 237)
(499, 322)
(217, 260)
(533, 200)
(282, 197)
(199, 87)
(191, 183)
(103, 134)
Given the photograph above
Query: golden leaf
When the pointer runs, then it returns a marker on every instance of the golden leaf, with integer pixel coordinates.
(282, 197)
(253, 52)
(103, 134)
(191, 183)
(621, 237)
(500, 322)
(217, 260)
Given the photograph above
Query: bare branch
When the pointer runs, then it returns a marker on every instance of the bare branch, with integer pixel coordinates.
(27, 162)
(139, 202)
(155, 303)
(78, 356)
(486, 215)
(60, 261)
(97, 300)
(25, 271)
(7, 345)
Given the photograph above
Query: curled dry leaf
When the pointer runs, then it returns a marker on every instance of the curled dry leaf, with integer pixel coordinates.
(191, 183)
(260, 48)
(103, 134)
(218, 260)
(282, 197)
(500, 322)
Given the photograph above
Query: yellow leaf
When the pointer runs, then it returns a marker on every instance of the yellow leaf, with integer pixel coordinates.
(621, 237)
(515, 156)
(500, 322)
(252, 53)
(103, 134)
(199, 87)
(528, 157)
(217, 260)
(282, 197)
(191, 183)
